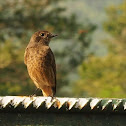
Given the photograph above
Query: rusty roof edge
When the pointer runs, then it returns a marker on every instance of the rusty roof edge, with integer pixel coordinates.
(65, 104)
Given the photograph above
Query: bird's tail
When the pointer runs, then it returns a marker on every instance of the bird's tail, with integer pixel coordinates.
(48, 91)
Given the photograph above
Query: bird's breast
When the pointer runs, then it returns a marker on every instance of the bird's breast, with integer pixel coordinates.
(35, 59)
(35, 65)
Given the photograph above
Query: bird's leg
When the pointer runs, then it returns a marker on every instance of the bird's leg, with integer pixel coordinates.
(34, 94)
(52, 98)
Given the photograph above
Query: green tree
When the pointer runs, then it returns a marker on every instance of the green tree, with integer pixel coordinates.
(18, 21)
(106, 76)
(102, 77)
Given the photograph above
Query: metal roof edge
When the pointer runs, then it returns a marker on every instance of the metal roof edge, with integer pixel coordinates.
(62, 104)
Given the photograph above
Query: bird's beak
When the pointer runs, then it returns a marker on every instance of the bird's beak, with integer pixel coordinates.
(53, 36)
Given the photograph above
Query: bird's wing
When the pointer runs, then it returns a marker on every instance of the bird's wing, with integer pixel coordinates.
(49, 71)
(25, 56)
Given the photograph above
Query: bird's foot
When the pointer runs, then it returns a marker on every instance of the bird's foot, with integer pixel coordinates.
(33, 95)
(52, 98)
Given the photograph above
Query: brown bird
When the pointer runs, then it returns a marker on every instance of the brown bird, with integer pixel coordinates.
(40, 62)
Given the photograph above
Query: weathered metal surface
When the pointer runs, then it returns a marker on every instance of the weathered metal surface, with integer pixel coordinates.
(95, 105)
(61, 119)
(45, 111)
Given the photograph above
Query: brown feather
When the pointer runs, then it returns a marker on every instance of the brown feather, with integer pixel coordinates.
(41, 65)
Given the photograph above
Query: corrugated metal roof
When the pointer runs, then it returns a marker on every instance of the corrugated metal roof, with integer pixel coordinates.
(25, 103)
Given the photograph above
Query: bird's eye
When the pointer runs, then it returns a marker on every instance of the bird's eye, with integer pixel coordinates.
(42, 34)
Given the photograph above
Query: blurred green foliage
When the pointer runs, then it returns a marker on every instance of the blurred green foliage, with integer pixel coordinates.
(19, 19)
(102, 77)
(98, 76)
(106, 76)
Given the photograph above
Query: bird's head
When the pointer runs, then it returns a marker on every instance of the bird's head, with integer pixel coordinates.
(42, 37)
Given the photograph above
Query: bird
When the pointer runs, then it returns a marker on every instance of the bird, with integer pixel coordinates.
(40, 62)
